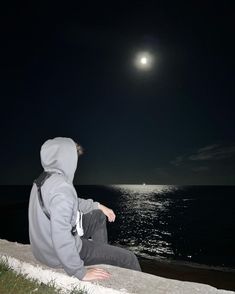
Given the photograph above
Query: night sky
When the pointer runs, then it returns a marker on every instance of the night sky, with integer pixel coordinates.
(68, 70)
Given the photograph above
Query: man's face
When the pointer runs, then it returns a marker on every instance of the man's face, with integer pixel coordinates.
(80, 149)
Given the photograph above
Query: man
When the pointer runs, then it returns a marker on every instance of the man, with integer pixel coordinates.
(67, 231)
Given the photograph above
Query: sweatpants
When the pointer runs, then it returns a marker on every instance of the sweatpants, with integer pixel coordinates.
(95, 247)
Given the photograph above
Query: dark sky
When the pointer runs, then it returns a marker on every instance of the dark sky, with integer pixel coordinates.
(67, 70)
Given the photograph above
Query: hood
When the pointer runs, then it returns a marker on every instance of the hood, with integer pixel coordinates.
(60, 155)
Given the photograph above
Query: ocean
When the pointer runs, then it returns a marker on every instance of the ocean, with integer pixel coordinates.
(185, 224)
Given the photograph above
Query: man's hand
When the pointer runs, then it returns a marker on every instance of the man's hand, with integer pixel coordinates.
(108, 212)
(96, 274)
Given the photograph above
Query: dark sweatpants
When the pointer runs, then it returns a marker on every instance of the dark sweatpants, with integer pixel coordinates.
(97, 250)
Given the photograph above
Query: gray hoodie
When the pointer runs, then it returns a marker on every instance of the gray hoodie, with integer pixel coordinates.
(51, 240)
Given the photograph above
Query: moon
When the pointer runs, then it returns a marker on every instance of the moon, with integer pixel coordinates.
(144, 60)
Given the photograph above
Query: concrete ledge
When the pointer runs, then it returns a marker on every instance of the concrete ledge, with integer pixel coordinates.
(20, 258)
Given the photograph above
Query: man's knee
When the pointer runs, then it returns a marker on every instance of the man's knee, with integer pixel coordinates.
(133, 261)
(99, 215)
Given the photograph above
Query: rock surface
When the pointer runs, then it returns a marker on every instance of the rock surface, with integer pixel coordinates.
(20, 258)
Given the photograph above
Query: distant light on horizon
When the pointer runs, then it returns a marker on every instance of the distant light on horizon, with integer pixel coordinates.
(144, 60)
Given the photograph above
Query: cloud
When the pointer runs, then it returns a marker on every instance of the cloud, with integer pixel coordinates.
(207, 148)
(178, 161)
(200, 168)
(212, 152)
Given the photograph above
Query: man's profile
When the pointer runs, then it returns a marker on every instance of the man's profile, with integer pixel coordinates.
(67, 231)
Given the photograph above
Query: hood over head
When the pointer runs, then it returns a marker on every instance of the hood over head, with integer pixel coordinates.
(60, 155)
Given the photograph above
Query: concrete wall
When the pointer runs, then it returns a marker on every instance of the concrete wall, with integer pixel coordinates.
(20, 258)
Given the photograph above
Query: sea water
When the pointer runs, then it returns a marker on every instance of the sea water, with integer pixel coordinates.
(176, 223)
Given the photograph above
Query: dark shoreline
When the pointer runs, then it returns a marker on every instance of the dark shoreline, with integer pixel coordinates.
(214, 277)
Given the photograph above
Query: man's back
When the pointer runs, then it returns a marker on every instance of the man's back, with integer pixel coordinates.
(39, 225)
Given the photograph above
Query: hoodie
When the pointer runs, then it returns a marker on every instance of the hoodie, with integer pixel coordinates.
(51, 240)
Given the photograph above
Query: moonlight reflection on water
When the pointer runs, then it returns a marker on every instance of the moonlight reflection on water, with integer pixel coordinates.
(144, 206)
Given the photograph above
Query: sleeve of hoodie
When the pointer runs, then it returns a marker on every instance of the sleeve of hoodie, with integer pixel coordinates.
(87, 205)
(61, 209)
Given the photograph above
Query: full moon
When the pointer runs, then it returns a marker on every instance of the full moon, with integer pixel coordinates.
(144, 61)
